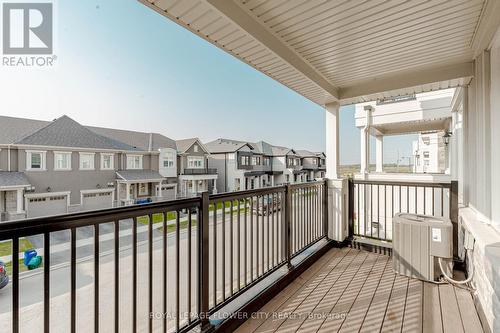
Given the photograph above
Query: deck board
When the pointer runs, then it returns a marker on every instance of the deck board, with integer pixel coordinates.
(349, 290)
(452, 320)
(432, 319)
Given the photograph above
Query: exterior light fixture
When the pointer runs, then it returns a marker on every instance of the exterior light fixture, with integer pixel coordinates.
(446, 137)
(98, 186)
(49, 189)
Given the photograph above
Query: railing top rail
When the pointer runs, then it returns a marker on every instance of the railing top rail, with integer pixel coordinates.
(39, 225)
(402, 183)
(308, 184)
(245, 193)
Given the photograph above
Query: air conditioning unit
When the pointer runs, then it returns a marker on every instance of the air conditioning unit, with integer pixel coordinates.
(418, 242)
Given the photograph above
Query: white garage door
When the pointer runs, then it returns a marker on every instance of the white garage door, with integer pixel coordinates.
(93, 201)
(45, 206)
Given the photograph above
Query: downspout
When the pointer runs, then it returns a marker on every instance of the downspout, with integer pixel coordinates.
(8, 158)
(366, 131)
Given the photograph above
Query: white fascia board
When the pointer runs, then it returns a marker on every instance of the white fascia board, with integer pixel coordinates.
(46, 194)
(407, 79)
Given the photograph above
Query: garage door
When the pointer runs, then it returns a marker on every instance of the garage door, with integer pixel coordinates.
(93, 201)
(45, 206)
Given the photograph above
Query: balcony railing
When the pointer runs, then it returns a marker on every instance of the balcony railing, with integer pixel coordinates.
(203, 171)
(374, 203)
(185, 259)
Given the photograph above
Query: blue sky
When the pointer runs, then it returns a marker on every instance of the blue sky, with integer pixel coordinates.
(122, 65)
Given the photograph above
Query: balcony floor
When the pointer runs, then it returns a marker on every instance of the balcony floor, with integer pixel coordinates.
(349, 290)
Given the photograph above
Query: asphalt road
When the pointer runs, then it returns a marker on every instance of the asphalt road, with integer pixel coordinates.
(260, 250)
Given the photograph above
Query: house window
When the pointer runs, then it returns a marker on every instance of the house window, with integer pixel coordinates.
(195, 162)
(35, 160)
(266, 161)
(426, 154)
(426, 162)
(143, 189)
(134, 161)
(426, 140)
(168, 160)
(287, 178)
(315, 161)
(87, 161)
(107, 162)
(195, 148)
(245, 160)
(62, 161)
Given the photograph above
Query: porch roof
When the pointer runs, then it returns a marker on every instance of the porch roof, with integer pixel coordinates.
(349, 51)
(145, 176)
(13, 179)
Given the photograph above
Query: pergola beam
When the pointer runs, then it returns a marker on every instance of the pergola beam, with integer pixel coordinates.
(408, 79)
(250, 25)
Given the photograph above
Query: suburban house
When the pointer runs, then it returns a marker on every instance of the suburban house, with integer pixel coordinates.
(164, 150)
(192, 167)
(428, 114)
(313, 164)
(245, 165)
(61, 166)
(429, 153)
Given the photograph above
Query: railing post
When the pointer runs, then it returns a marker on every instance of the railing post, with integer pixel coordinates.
(325, 208)
(203, 264)
(351, 207)
(288, 223)
(454, 214)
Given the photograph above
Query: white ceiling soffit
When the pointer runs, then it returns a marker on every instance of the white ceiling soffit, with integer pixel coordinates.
(347, 50)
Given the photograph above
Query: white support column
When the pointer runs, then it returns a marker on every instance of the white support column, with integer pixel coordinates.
(20, 201)
(332, 140)
(379, 153)
(272, 180)
(365, 142)
(127, 192)
(160, 194)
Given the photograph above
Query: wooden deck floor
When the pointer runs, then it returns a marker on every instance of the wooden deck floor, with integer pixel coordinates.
(349, 290)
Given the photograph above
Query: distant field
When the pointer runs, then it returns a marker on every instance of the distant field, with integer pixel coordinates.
(350, 170)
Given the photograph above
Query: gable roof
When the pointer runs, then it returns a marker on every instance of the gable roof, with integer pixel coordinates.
(226, 146)
(282, 151)
(306, 153)
(14, 129)
(65, 132)
(185, 144)
(11, 178)
(141, 140)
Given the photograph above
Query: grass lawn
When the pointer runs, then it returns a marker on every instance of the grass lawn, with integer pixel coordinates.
(6, 249)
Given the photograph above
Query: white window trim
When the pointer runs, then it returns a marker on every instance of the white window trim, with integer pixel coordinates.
(196, 158)
(63, 153)
(80, 161)
(134, 156)
(169, 156)
(112, 166)
(43, 166)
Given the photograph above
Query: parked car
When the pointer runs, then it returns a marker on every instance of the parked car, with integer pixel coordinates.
(4, 278)
(267, 206)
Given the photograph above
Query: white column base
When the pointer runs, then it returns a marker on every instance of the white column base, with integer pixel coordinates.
(338, 207)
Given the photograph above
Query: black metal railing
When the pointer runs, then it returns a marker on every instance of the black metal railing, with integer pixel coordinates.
(373, 204)
(202, 171)
(165, 265)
